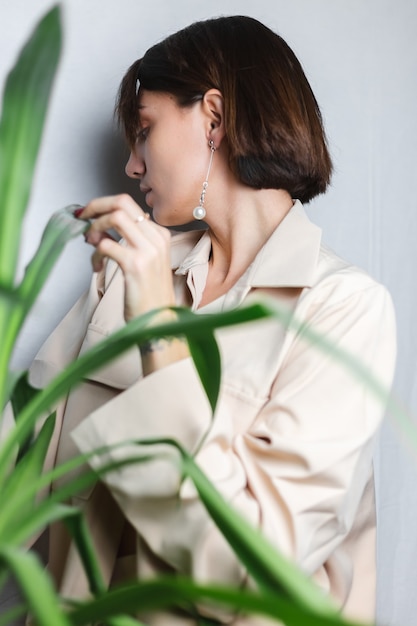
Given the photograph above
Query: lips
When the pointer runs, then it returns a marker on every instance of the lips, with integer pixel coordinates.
(146, 191)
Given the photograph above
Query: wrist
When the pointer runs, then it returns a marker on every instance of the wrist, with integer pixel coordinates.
(160, 352)
(158, 344)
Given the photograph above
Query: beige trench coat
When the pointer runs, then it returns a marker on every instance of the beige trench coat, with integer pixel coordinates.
(291, 441)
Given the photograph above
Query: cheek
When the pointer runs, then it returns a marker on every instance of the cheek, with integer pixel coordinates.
(177, 171)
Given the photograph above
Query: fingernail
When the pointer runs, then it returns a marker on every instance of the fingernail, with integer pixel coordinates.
(78, 212)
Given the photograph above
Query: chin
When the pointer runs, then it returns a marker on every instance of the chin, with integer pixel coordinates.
(160, 218)
(169, 220)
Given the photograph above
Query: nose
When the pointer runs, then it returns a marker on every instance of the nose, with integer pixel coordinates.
(135, 166)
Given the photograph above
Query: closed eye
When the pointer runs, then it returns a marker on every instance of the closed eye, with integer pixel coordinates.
(142, 134)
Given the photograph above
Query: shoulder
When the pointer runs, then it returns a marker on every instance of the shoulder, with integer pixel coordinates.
(345, 300)
(336, 279)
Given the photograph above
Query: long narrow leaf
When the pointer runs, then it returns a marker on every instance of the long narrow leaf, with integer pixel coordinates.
(80, 533)
(22, 393)
(48, 510)
(11, 615)
(30, 525)
(121, 620)
(26, 472)
(60, 229)
(12, 378)
(206, 356)
(25, 102)
(74, 520)
(135, 332)
(41, 598)
(272, 571)
(8, 310)
(173, 592)
(41, 518)
(27, 92)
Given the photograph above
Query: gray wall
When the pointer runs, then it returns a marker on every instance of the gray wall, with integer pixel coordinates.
(361, 59)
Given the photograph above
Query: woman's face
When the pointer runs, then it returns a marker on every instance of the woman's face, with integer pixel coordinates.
(170, 157)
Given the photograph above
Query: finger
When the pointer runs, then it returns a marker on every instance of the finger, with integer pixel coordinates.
(140, 249)
(155, 234)
(142, 217)
(137, 232)
(132, 262)
(109, 248)
(110, 204)
(119, 222)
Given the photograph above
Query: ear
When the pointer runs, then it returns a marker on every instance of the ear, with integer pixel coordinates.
(213, 108)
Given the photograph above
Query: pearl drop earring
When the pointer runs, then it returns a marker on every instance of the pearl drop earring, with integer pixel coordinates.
(199, 212)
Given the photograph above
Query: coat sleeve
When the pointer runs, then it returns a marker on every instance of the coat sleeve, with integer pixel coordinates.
(61, 347)
(59, 350)
(299, 470)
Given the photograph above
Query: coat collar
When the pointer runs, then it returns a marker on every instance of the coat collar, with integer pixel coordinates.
(288, 258)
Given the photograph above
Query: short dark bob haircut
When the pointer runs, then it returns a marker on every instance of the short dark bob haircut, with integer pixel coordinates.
(273, 124)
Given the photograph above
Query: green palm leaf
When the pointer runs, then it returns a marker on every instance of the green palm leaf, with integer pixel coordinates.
(41, 598)
(26, 95)
(135, 332)
(173, 592)
(25, 102)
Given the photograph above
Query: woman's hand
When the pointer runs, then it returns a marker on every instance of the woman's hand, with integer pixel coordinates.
(145, 263)
(145, 257)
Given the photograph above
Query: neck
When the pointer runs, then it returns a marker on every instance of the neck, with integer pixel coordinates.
(241, 226)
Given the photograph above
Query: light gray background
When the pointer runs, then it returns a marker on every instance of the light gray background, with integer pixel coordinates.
(361, 59)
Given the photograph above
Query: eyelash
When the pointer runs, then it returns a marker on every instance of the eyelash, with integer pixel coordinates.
(142, 134)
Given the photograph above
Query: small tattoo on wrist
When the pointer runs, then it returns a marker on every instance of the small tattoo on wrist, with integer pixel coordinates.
(157, 345)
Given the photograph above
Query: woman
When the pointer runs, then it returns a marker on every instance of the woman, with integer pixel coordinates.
(222, 125)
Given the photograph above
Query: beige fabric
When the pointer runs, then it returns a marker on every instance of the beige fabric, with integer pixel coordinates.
(290, 444)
